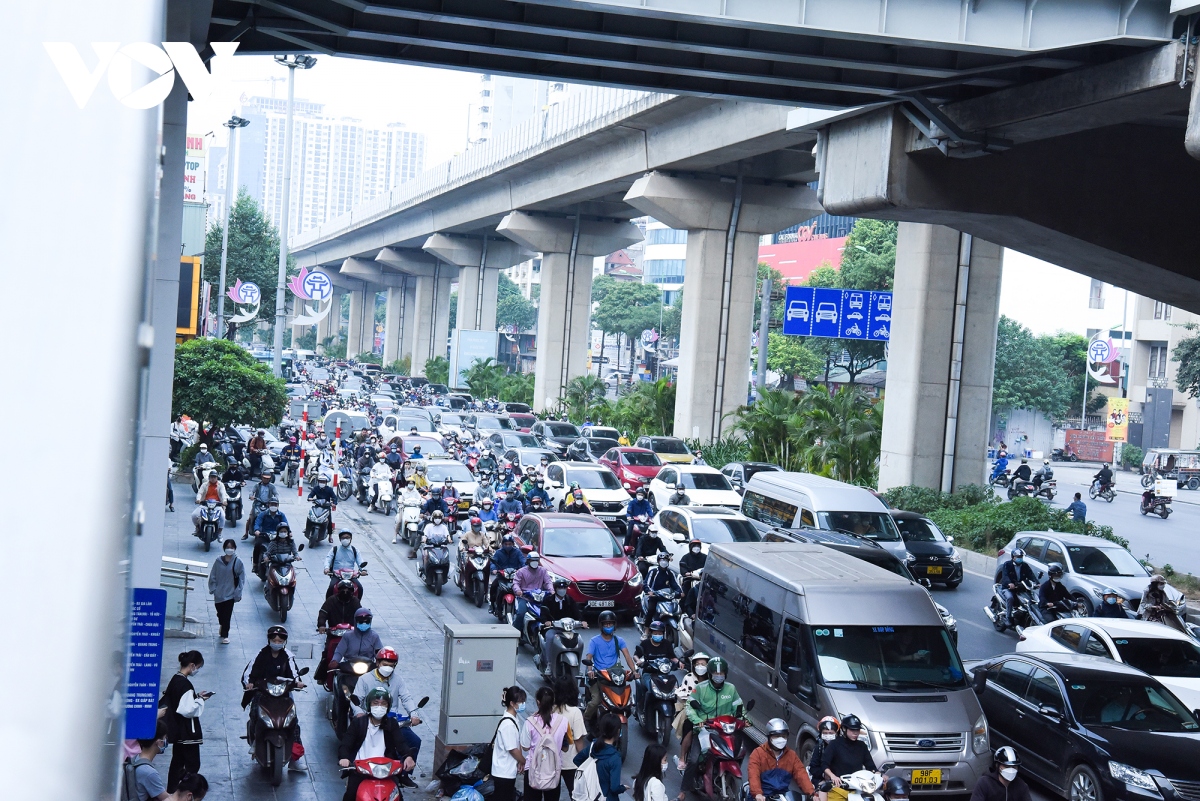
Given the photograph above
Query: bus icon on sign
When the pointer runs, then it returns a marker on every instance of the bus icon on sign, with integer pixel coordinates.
(884, 303)
(856, 300)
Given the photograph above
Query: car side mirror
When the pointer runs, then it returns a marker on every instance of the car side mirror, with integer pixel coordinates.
(526, 548)
(795, 680)
(1051, 713)
(628, 549)
(979, 681)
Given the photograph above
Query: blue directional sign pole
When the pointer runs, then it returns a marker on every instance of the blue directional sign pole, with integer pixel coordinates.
(147, 627)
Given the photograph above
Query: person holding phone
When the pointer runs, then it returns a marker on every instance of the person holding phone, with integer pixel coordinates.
(181, 708)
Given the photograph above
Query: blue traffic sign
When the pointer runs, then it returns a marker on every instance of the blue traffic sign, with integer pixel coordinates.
(837, 313)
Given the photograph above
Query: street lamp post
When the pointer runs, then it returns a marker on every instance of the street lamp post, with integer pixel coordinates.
(293, 63)
(234, 125)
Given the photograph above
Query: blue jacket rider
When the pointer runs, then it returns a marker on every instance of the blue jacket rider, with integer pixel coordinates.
(507, 555)
(538, 491)
(509, 505)
(487, 512)
(359, 641)
(639, 506)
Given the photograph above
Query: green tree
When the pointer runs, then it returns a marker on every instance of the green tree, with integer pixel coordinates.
(628, 308)
(672, 318)
(484, 377)
(400, 366)
(869, 258)
(778, 283)
(1187, 353)
(764, 426)
(1071, 350)
(601, 286)
(367, 357)
(517, 388)
(1028, 373)
(839, 433)
(221, 384)
(453, 310)
(253, 254)
(792, 359)
(583, 392)
(437, 370)
(307, 340)
(512, 308)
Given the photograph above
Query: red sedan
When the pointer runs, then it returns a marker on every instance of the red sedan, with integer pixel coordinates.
(582, 549)
(635, 467)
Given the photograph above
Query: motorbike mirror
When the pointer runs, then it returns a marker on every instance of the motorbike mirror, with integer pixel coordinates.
(926, 583)
(678, 652)
(354, 699)
(979, 681)
(886, 766)
(304, 671)
(1041, 573)
(421, 704)
(362, 565)
(628, 549)
(696, 706)
(750, 705)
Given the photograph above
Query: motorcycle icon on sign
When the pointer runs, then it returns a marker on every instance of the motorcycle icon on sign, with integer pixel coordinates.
(854, 331)
(882, 331)
(826, 311)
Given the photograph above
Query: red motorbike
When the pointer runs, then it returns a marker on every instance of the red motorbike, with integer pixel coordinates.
(332, 637)
(510, 522)
(723, 746)
(382, 778)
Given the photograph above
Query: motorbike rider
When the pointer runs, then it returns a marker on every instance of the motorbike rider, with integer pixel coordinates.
(1012, 574)
(603, 651)
(214, 490)
(374, 734)
(683, 727)
(561, 605)
(474, 537)
(659, 577)
(384, 677)
(575, 503)
(234, 472)
(450, 495)
(698, 457)
(380, 472)
(263, 493)
(897, 788)
(846, 754)
(437, 526)
(281, 544)
(1045, 473)
(507, 556)
(999, 467)
(508, 504)
(1111, 606)
(272, 661)
(827, 729)
(655, 646)
(418, 476)
(529, 578)
(691, 564)
(338, 609)
(639, 505)
(715, 697)
(290, 452)
(543, 463)
(538, 490)
(266, 525)
(1023, 473)
(1052, 594)
(679, 497)
(394, 458)
(409, 496)
(344, 556)
(1002, 782)
(360, 641)
(487, 462)
(203, 457)
(1103, 478)
(255, 449)
(773, 765)
(485, 490)
(487, 511)
(1155, 595)
(323, 492)
(647, 548)
(433, 504)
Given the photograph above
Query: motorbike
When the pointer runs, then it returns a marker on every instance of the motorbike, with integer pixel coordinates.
(348, 672)
(616, 698)
(350, 577)
(566, 650)
(257, 508)
(1157, 505)
(530, 626)
(1018, 488)
(506, 601)
(656, 709)
(1173, 614)
(1026, 595)
(1108, 492)
(1047, 490)
(273, 726)
(212, 520)
(634, 529)
(200, 474)
(473, 573)
(319, 525)
(1060, 611)
(333, 636)
(233, 505)
(1000, 479)
(667, 610)
(280, 587)
(435, 561)
(382, 499)
(1060, 455)
(510, 522)
(362, 485)
(291, 473)
(722, 748)
(863, 785)
(412, 522)
(345, 487)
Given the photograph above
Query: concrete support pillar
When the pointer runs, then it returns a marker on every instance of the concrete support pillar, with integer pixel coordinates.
(362, 315)
(479, 261)
(930, 438)
(445, 276)
(394, 322)
(719, 285)
(564, 312)
(408, 320)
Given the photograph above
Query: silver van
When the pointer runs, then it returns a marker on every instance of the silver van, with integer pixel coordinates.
(809, 632)
(802, 500)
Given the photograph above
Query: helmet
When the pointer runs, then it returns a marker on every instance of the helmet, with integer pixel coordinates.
(533, 556)
(449, 481)
(1006, 755)
(322, 479)
(363, 613)
(476, 523)
(700, 655)
(640, 491)
(828, 723)
(203, 447)
(508, 537)
(777, 726)
(1109, 591)
(852, 723)
(1017, 553)
(378, 694)
(718, 665)
(679, 486)
(387, 653)
(437, 492)
(420, 466)
(559, 581)
(896, 787)
(574, 485)
(1055, 570)
(658, 625)
(1158, 578)
(437, 514)
(277, 631)
(608, 616)
(292, 440)
(283, 530)
(487, 502)
(536, 500)
(1045, 461)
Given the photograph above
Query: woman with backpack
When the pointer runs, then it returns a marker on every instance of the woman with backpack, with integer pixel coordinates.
(566, 703)
(507, 759)
(542, 738)
(607, 758)
(183, 707)
(648, 784)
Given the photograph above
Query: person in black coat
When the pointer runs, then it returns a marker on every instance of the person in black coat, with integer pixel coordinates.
(362, 740)
(1002, 782)
(183, 706)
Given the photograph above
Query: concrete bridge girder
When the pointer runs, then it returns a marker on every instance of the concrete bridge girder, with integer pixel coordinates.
(479, 261)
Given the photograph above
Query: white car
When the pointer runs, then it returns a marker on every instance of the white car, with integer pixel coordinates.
(704, 486)
(678, 525)
(600, 486)
(438, 470)
(1168, 655)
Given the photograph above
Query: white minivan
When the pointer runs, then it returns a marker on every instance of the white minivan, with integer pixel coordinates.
(779, 499)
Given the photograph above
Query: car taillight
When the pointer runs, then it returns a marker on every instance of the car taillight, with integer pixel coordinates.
(1000, 552)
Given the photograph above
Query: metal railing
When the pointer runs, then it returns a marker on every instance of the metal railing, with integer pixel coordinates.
(176, 576)
(591, 110)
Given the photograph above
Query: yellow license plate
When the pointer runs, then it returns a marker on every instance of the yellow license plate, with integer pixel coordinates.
(927, 776)
(934, 571)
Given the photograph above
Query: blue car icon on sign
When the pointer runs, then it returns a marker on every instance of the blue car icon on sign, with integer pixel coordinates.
(826, 311)
(883, 318)
(798, 309)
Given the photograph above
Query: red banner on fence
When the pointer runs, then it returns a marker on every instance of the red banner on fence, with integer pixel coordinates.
(1090, 446)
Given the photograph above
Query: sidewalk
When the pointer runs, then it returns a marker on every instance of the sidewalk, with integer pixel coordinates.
(400, 621)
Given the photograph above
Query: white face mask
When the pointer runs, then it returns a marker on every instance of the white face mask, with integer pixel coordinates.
(346, 543)
(828, 737)
(696, 549)
(230, 551)
(385, 670)
(664, 768)
(779, 743)
(378, 712)
(701, 670)
(197, 669)
(1008, 773)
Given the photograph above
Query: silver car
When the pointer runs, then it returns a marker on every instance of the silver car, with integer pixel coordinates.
(1090, 564)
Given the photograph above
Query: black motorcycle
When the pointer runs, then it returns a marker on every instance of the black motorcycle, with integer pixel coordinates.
(666, 609)
(566, 650)
(273, 725)
(348, 672)
(233, 508)
(291, 473)
(435, 561)
(319, 523)
(656, 709)
(505, 606)
(1059, 611)
(211, 523)
(1025, 599)
(473, 569)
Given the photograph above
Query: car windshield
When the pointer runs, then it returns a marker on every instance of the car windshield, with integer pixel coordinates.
(451, 419)
(437, 472)
(637, 459)
(669, 445)
(520, 441)
(428, 447)
(706, 481)
(409, 423)
(1127, 703)
(594, 479)
(918, 531)
(598, 447)
(1177, 659)
(495, 423)
(525, 420)
(876, 526)
(573, 542)
(560, 430)
(884, 559)
(721, 529)
(887, 657)
(1088, 560)
(606, 433)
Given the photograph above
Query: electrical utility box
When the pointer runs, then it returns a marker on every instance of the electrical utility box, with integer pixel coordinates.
(480, 661)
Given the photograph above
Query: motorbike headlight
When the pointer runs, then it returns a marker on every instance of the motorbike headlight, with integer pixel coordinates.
(361, 667)
(291, 717)
(635, 580)
(1132, 776)
(979, 736)
(276, 689)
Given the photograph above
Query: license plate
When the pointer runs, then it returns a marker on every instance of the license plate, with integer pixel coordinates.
(926, 776)
(602, 603)
(934, 571)
(607, 518)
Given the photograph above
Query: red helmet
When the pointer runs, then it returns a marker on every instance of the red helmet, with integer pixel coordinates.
(388, 654)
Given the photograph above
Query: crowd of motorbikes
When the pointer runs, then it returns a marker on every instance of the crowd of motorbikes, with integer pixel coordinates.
(1023, 482)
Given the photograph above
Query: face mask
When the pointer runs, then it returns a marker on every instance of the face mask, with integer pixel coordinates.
(1110, 600)
(1019, 561)
(1056, 579)
(561, 592)
(656, 638)
(230, 551)
(196, 672)
(700, 670)
(364, 626)
(385, 670)
(779, 743)
(277, 646)
(696, 549)
(1008, 773)
(534, 564)
(521, 707)
(717, 680)
(378, 712)
(663, 767)
(346, 543)
(828, 737)
(608, 629)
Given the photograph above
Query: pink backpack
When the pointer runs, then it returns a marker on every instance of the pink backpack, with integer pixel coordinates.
(544, 765)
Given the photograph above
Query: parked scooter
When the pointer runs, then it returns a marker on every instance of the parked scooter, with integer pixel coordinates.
(1026, 595)
(656, 709)
(273, 725)
(280, 587)
(473, 569)
(212, 521)
(233, 504)
(723, 746)
(435, 561)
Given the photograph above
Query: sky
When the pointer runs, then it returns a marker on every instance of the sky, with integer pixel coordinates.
(431, 101)
(1046, 298)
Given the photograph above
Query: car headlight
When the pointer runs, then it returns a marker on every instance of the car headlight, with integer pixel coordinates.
(626, 485)
(635, 580)
(954, 557)
(555, 577)
(979, 736)
(1129, 775)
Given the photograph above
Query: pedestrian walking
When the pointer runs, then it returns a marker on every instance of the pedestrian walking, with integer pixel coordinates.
(542, 739)
(226, 578)
(604, 751)
(507, 759)
(183, 707)
(566, 703)
(1078, 509)
(648, 784)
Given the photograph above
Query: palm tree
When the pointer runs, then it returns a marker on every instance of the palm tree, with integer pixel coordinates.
(838, 434)
(764, 424)
(484, 377)
(582, 393)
